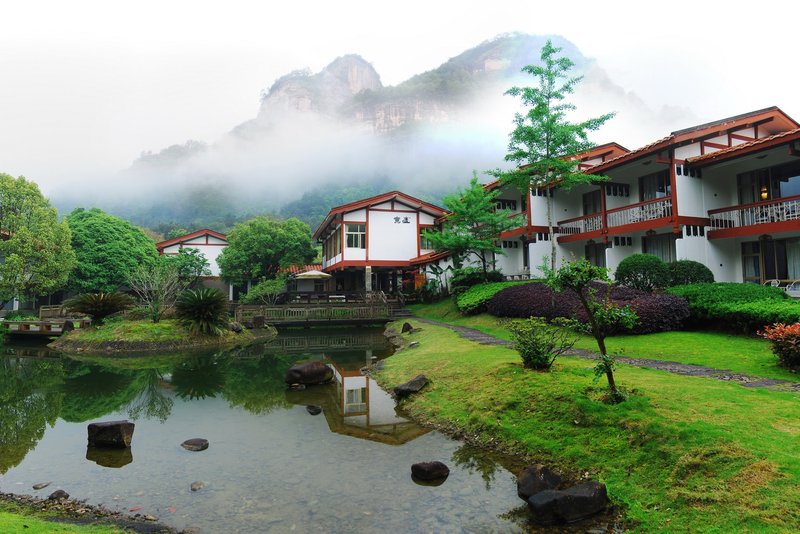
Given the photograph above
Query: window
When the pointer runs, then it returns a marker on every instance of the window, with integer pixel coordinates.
(355, 235)
(505, 204)
(654, 186)
(319, 286)
(596, 254)
(592, 203)
(661, 245)
(767, 184)
(424, 242)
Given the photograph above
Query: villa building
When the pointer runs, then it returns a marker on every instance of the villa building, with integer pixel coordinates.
(724, 193)
(371, 244)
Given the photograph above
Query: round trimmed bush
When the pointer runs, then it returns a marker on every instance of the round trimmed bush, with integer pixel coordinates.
(683, 272)
(644, 272)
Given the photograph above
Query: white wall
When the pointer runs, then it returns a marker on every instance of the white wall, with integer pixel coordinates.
(690, 194)
(388, 240)
(692, 248)
(724, 259)
(356, 216)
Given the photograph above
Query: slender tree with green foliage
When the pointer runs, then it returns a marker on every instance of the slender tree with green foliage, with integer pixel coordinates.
(191, 265)
(108, 249)
(543, 139)
(258, 248)
(578, 277)
(473, 226)
(35, 248)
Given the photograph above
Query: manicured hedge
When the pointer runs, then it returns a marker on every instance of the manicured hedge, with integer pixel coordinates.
(474, 299)
(657, 313)
(737, 307)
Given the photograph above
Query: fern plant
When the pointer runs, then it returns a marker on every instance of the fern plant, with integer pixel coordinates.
(204, 311)
(99, 305)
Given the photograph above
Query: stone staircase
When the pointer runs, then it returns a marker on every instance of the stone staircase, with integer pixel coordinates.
(398, 310)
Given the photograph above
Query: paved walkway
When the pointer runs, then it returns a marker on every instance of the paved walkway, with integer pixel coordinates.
(670, 367)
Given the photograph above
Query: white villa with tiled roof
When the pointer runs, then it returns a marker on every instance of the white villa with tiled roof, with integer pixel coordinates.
(372, 244)
(724, 193)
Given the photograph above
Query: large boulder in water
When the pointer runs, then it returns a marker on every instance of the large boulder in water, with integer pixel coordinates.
(430, 471)
(309, 373)
(412, 386)
(116, 434)
(535, 478)
(576, 503)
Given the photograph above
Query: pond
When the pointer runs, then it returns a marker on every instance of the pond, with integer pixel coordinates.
(270, 466)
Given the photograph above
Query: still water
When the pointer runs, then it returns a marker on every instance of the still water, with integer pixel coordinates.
(270, 466)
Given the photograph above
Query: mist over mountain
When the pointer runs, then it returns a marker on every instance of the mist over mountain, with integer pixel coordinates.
(326, 138)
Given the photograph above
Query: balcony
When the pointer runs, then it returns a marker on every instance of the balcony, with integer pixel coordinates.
(579, 225)
(649, 210)
(779, 210)
(641, 212)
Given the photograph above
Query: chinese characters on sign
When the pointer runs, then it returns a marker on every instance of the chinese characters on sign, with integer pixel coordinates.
(403, 220)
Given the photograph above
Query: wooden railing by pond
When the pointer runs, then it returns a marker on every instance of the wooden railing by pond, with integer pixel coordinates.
(292, 315)
(53, 327)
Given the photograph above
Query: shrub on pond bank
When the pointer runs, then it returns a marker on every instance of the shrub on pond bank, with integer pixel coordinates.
(99, 305)
(538, 342)
(204, 311)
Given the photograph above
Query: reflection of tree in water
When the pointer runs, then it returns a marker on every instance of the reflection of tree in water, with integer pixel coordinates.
(92, 391)
(475, 459)
(28, 402)
(151, 401)
(257, 384)
(200, 376)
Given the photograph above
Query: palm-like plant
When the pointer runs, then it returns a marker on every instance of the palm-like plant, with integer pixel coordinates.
(99, 305)
(203, 310)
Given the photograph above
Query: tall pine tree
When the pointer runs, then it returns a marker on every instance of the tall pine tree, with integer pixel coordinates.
(543, 138)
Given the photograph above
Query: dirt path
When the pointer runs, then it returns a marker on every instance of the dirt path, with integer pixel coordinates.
(670, 367)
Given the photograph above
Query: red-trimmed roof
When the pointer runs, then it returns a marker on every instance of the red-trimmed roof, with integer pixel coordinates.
(694, 133)
(188, 237)
(429, 257)
(413, 202)
(298, 269)
(746, 148)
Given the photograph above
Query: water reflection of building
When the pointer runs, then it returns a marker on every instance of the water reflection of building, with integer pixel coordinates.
(363, 409)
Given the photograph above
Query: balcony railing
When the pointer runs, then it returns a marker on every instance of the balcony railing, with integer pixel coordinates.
(579, 225)
(778, 210)
(648, 210)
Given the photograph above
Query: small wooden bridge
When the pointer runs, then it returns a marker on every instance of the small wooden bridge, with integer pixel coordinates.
(319, 309)
(313, 315)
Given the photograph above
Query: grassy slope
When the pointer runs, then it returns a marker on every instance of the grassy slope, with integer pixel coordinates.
(682, 454)
(13, 520)
(740, 354)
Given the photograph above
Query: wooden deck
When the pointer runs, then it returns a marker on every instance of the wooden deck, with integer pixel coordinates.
(49, 327)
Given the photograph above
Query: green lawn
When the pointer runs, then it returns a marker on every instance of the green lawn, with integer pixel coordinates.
(741, 354)
(14, 520)
(683, 454)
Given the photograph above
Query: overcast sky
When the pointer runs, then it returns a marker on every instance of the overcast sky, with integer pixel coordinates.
(86, 86)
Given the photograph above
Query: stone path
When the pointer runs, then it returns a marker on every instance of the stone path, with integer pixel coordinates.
(670, 367)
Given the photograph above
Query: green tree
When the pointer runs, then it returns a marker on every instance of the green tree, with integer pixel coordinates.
(108, 248)
(473, 225)
(266, 291)
(191, 264)
(543, 138)
(579, 276)
(258, 248)
(35, 248)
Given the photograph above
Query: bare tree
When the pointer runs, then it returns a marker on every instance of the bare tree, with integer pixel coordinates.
(157, 286)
